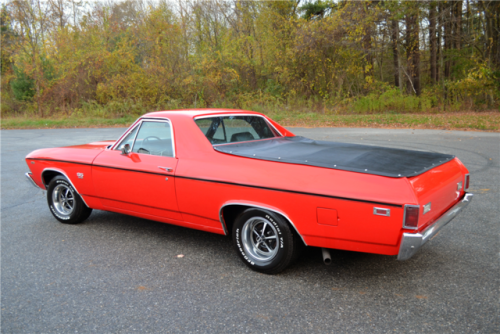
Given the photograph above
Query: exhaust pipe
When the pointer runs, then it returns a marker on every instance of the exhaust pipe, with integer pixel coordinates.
(326, 256)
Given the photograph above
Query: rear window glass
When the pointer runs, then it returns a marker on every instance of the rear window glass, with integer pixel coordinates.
(232, 129)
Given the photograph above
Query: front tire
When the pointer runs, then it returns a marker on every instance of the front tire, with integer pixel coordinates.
(64, 202)
(264, 241)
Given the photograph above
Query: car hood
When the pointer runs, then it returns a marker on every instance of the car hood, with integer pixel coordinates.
(98, 145)
(366, 159)
(84, 154)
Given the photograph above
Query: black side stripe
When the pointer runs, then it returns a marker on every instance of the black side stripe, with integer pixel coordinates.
(238, 184)
(290, 191)
(68, 162)
(135, 170)
(110, 167)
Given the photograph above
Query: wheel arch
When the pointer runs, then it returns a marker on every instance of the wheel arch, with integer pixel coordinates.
(49, 173)
(230, 210)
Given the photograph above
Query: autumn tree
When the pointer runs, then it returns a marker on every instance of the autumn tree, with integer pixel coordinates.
(112, 58)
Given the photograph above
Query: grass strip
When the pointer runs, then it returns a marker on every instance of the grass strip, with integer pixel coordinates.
(485, 121)
(67, 122)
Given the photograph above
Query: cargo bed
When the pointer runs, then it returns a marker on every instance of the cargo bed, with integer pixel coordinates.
(366, 159)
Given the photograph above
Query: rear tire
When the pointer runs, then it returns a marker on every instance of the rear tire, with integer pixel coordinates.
(64, 202)
(264, 241)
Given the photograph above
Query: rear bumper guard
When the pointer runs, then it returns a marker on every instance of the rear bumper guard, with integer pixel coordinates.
(412, 242)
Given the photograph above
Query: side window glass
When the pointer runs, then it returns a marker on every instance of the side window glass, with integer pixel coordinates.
(204, 124)
(232, 129)
(213, 129)
(154, 138)
(128, 140)
(239, 129)
(219, 134)
(261, 127)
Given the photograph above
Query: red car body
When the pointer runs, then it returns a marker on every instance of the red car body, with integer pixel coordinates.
(202, 188)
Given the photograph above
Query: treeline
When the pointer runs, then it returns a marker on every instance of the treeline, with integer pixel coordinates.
(113, 58)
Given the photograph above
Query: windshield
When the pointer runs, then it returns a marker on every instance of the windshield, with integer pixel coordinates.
(232, 129)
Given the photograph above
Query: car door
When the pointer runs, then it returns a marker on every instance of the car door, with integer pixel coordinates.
(142, 179)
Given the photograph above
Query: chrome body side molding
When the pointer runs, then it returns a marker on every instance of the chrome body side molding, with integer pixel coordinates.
(411, 242)
(57, 170)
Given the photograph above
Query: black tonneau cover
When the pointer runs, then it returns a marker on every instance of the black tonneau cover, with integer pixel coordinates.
(366, 159)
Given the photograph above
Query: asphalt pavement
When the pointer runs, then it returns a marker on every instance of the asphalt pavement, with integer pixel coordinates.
(120, 274)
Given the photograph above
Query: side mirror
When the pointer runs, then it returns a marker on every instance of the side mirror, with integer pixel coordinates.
(126, 149)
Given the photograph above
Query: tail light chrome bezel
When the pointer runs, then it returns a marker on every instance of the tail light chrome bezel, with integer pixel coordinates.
(466, 182)
(406, 207)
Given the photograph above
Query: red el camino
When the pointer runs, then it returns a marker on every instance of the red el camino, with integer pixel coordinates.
(239, 173)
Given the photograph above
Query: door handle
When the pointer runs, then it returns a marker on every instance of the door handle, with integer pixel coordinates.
(166, 169)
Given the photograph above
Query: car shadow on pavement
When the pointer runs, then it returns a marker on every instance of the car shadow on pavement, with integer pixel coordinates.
(347, 264)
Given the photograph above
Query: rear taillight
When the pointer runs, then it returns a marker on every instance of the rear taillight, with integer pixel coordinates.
(466, 186)
(410, 219)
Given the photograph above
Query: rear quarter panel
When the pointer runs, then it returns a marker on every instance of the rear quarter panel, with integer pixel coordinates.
(439, 187)
(206, 180)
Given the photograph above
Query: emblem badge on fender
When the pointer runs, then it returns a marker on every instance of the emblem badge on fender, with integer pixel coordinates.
(80, 175)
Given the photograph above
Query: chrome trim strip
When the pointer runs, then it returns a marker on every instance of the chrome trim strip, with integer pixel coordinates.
(229, 115)
(404, 216)
(271, 124)
(166, 169)
(224, 227)
(139, 123)
(28, 175)
(243, 141)
(411, 242)
(221, 218)
(135, 137)
(65, 175)
(120, 139)
(226, 115)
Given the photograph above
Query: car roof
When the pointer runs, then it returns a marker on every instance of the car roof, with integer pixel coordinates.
(191, 113)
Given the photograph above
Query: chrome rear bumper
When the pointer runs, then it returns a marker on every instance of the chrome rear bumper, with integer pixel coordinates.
(412, 242)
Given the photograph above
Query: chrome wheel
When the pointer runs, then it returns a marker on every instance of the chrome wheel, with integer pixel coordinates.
(264, 241)
(63, 199)
(260, 239)
(65, 203)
